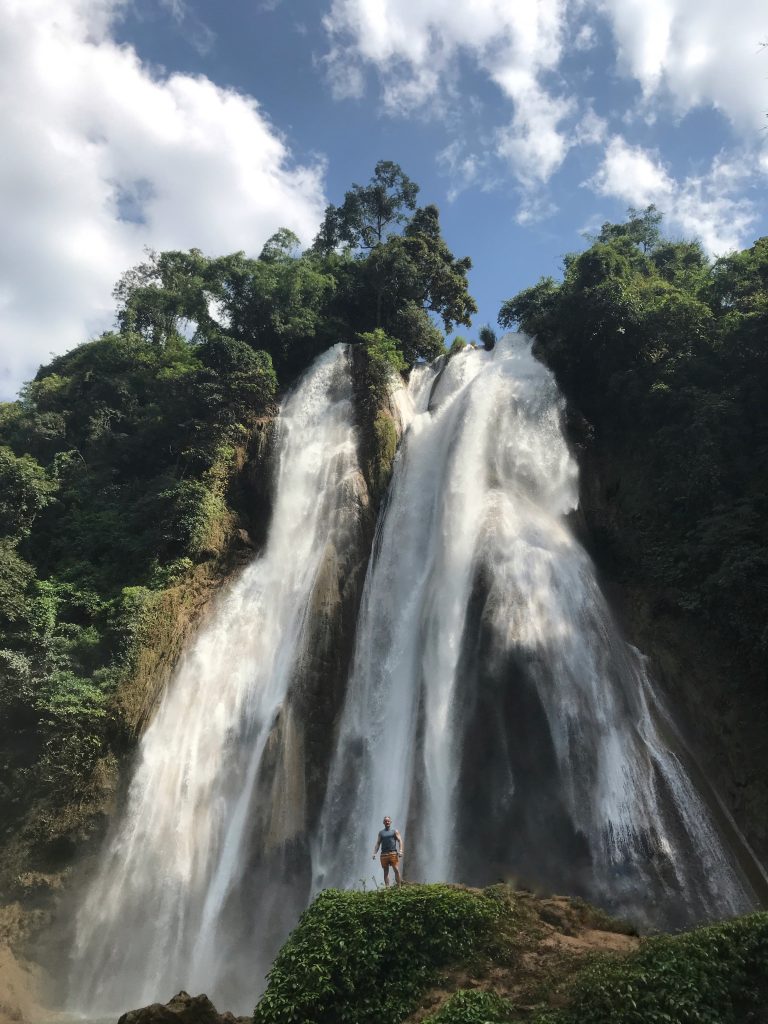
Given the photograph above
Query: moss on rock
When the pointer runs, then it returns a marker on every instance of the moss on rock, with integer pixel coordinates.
(384, 449)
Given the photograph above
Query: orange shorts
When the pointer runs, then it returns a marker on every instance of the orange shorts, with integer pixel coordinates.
(389, 860)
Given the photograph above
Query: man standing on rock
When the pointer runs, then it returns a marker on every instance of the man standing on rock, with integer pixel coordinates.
(389, 840)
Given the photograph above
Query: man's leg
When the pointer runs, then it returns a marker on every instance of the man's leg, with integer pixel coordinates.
(386, 873)
(398, 879)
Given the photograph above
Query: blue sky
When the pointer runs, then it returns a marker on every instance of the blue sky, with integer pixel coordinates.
(178, 123)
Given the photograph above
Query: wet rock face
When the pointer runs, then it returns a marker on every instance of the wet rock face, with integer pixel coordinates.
(724, 725)
(254, 488)
(511, 793)
(317, 695)
(182, 1009)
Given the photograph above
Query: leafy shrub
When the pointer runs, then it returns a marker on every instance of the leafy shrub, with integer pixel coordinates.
(195, 511)
(457, 345)
(364, 957)
(383, 357)
(385, 448)
(487, 337)
(24, 491)
(712, 975)
(419, 337)
(65, 695)
(472, 1006)
(134, 614)
(15, 580)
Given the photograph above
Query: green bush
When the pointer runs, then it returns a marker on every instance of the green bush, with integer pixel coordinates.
(712, 975)
(472, 1006)
(364, 957)
(383, 358)
(25, 490)
(457, 345)
(65, 695)
(16, 578)
(487, 337)
(385, 448)
(194, 514)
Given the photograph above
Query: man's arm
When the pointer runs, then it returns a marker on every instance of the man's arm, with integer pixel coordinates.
(376, 847)
(399, 839)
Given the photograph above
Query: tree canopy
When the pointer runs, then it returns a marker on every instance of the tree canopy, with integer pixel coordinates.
(368, 212)
(379, 261)
(398, 263)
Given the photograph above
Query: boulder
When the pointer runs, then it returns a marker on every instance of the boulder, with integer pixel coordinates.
(182, 1009)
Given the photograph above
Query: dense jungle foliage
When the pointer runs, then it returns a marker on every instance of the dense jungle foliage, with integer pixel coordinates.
(666, 355)
(117, 461)
(363, 957)
(504, 957)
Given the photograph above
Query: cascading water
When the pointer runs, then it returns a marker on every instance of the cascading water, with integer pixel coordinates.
(493, 708)
(218, 786)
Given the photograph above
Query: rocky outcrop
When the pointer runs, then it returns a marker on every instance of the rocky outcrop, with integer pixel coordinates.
(556, 938)
(19, 989)
(182, 1009)
(22, 983)
(379, 430)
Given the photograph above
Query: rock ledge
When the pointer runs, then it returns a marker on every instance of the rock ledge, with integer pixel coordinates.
(182, 1009)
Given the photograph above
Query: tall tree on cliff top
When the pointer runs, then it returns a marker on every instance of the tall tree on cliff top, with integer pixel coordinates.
(403, 276)
(369, 211)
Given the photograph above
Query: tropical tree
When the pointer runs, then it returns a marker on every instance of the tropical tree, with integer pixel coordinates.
(369, 211)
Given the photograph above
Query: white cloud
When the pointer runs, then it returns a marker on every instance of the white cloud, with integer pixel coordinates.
(591, 129)
(683, 53)
(585, 38)
(534, 208)
(699, 52)
(196, 32)
(461, 167)
(707, 206)
(417, 45)
(101, 158)
(533, 143)
(632, 174)
(345, 78)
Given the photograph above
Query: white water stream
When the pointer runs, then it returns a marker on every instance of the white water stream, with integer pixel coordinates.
(155, 918)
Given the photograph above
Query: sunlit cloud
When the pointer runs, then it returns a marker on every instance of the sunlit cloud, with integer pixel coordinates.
(102, 157)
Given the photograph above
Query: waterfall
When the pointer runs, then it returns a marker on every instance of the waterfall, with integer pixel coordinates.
(218, 783)
(494, 710)
(491, 705)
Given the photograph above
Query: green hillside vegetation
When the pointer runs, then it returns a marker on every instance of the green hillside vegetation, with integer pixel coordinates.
(447, 955)
(665, 354)
(120, 464)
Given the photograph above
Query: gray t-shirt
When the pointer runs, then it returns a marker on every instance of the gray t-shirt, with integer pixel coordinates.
(388, 841)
